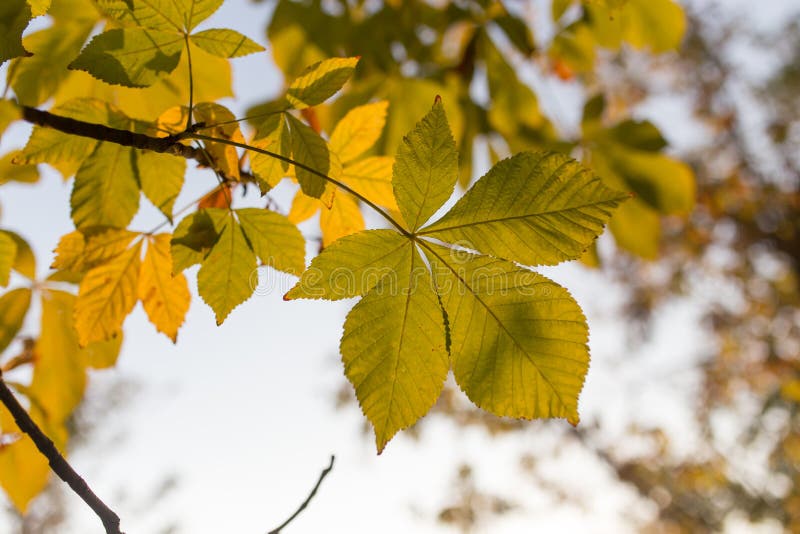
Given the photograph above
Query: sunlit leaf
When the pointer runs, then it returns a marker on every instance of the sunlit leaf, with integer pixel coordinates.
(533, 208)
(130, 57)
(106, 189)
(309, 149)
(225, 277)
(276, 241)
(358, 131)
(221, 123)
(165, 298)
(352, 266)
(24, 259)
(341, 219)
(393, 348)
(225, 43)
(106, 296)
(13, 308)
(320, 81)
(192, 239)
(161, 179)
(517, 339)
(8, 253)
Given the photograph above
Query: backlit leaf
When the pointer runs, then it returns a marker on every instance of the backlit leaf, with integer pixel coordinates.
(106, 189)
(276, 241)
(309, 149)
(13, 308)
(352, 266)
(341, 219)
(106, 296)
(130, 57)
(517, 339)
(10, 172)
(161, 178)
(225, 43)
(192, 239)
(165, 298)
(533, 208)
(221, 123)
(393, 348)
(372, 177)
(24, 260)
(426, 168)
(358, 130)
(320, 81)
(225, 277)
(78, 251)
(8, 253)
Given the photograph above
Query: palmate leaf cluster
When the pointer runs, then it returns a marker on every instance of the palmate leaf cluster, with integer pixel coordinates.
(453, 293)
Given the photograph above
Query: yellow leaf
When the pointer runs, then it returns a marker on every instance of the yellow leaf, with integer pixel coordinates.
(78, 252)
(358, 130)
(372, 177)
(224, 126)
(23, 470)
(343, 218)
(303, 208)
(106, 296)
(165, 298)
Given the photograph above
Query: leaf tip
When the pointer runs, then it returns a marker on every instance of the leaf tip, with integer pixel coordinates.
(437, 100)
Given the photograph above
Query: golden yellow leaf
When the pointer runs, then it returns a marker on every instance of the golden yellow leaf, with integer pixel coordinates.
(165, 298)
(303, 207)
(372, 177)
(358, 130)
(343, 218)
(78, 252)
(225, 127)
(106, 296)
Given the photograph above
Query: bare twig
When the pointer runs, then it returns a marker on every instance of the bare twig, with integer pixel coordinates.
(57, 462)
(308, 499)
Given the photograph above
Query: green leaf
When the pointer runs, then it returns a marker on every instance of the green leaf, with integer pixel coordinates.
(14, 18)
(532, 208)
(225, 277)
(276, 241)
(309, 149)
(176, 15)
(664, 183)
(192, 239)
(225, 43)
(393, 348)
(320, 81)
(273, 135)
(106, 189)
(517, 339)
(352, 266)
(8, 253)
(13, 308)
(130, 57)
(426, 168)
(161, 178)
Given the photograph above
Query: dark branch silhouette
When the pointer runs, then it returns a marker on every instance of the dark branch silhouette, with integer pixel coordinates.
(308, 499)
(57, 462)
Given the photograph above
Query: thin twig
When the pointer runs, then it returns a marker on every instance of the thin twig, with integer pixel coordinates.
(57, 462)
(308, 499)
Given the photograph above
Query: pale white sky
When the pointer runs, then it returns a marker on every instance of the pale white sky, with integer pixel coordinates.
(244, 415)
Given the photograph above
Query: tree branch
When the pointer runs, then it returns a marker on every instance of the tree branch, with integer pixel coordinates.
(308, 499)
(57, 462)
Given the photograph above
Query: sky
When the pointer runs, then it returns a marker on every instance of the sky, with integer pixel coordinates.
(244, 417)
